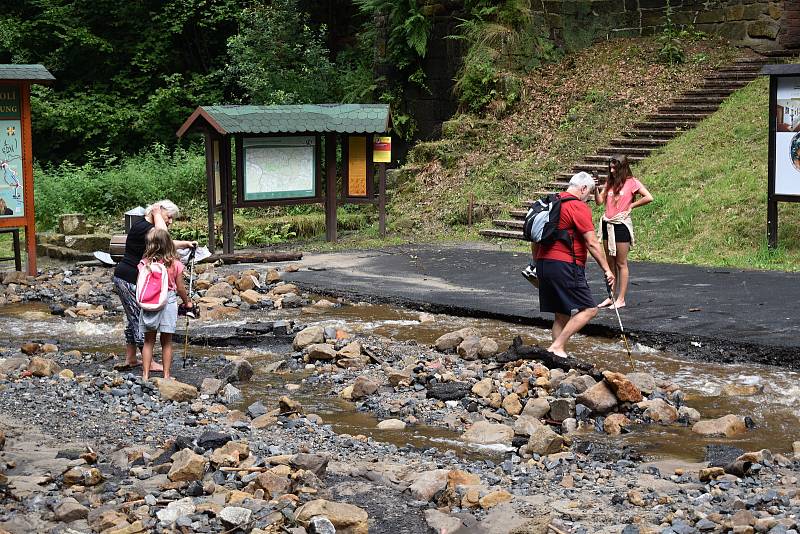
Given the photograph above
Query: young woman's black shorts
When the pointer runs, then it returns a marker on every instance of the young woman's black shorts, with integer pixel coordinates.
(563, 287)
(621, 233)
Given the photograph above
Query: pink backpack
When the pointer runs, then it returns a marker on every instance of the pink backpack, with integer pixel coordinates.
(152, 289)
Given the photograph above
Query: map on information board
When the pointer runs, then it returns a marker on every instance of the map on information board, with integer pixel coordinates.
(11, 190)
(279, 167)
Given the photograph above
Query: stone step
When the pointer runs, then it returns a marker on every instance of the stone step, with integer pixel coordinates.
(638, 142)
(722, 84)
(563, 177)
(508, 223)
(689, 108)
(731, 76)
(669, 117)
(716, 94)
(590, 167)
(666, 125)
(741, 67)
(650, 133)
(506, 234)
(698, 99)
(518, 213)
(640, 152)
(605, 158)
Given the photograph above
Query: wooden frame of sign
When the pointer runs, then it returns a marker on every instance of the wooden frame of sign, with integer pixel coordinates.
(783, 184)
(227, 181)
(371, 197)
(28, 218)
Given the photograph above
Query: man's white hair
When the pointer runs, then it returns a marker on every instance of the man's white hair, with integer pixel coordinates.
(168, 205)
(581, 179)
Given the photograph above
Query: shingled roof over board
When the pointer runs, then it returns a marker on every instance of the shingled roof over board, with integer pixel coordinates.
(25, 73)
(302, 118)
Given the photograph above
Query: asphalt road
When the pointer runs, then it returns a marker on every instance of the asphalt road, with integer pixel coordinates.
(711, 313)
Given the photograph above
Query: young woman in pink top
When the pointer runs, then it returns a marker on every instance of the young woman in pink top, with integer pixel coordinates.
(619, 196)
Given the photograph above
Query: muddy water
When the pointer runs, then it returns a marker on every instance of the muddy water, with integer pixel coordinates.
(713, 389)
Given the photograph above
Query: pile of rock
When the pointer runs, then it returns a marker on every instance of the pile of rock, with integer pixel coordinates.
(75, 239)
(328, 345)
(222, 296)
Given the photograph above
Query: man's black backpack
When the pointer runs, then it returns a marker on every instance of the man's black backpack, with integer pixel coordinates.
(541, 221)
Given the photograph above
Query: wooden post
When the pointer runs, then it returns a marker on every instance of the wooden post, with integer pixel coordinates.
(27, 173)
(470, 208)
(330, 188)
(226, 177)
(772, 204)
(210, 190)
(382, 199)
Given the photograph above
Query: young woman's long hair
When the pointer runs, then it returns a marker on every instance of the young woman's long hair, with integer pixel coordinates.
(160, 248)
(616, 179)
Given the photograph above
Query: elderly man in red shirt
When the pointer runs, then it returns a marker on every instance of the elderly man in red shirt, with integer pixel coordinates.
(560, 266)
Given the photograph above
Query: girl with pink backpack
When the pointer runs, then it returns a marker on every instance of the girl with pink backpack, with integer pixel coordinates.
(158, 285)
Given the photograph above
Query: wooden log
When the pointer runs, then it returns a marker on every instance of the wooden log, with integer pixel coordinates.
(255, 257)
(518, 351)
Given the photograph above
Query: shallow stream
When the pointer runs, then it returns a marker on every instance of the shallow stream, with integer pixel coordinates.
(713, 389)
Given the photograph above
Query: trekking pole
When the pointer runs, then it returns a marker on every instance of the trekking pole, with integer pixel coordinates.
(621, 329)
(186, 328)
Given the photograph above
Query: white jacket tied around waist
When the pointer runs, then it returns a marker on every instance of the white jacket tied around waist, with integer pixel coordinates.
(619, 218)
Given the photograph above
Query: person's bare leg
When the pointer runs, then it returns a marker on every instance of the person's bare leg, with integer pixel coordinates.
(166, 353)
(147, 353)
(574, 325)
(559, 322)
(613, 266)
(130, 355)
(623, 273)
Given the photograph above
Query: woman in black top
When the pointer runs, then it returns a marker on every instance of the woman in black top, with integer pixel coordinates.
(158, 215)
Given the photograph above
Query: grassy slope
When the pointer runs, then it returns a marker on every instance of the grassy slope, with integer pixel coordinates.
(710, 186)
(568, 110)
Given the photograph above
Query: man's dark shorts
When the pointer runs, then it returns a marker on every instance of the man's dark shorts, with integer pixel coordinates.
(563, 287)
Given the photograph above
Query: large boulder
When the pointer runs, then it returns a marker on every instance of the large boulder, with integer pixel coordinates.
(536, 408)
(363, 387)
(614, 423)
(483, 388)
(659, 411)
(469, 347)
(321, 351)
(308, 336)
(526, 425)
(236, 371)
(316, 463)
(643, 381)
(487, 347)
(70, 510)
(83, 476)
(728, 425)
(43, 366)
(175, 391)
(486, 433)
(72, 224)
(599, 398)
(512, 405)
(347, 518)
(220, 290)
(623, 388)
(451, 340)
(543, 440)
(88, 242)
(428, 484)
(187, 466)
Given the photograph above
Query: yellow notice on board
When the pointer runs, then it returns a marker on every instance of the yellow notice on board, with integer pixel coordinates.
(382, 150)
(357, 166)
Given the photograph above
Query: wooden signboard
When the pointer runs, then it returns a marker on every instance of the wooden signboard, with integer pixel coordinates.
(16, 169)
(783, 173)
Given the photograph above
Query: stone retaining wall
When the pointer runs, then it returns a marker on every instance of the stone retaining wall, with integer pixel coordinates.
(760, 24)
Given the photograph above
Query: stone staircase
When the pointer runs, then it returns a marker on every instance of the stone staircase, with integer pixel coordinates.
(678, 115)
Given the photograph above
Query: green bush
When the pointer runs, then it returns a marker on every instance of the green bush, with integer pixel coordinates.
(105, 187)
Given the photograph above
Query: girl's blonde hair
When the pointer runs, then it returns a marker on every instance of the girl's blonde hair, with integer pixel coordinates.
(160, 247)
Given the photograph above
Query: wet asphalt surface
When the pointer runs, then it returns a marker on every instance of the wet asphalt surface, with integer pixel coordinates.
(719, 314)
